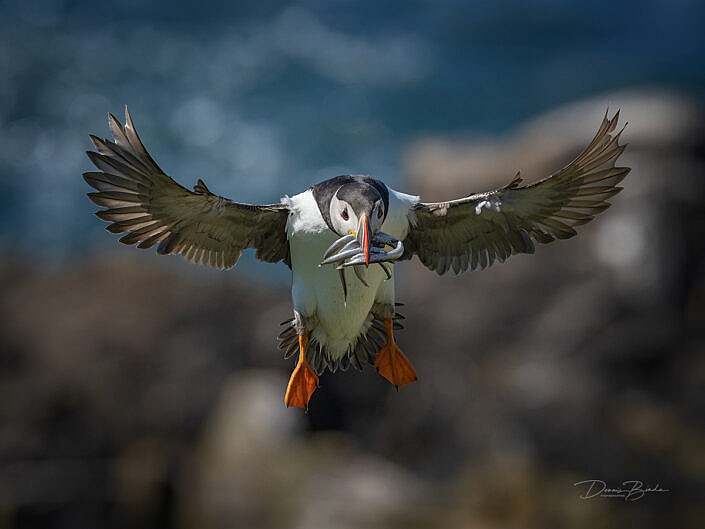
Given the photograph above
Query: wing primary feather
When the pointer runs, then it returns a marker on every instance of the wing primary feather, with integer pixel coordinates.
(118, 132)
(98, 180)
(153, 239)
(135, 142)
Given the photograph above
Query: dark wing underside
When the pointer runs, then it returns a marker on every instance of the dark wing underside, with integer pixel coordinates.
(153, 209)
(473, 232)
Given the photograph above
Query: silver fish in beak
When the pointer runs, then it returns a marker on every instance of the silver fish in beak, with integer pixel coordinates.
(338, 244)
(363, 248)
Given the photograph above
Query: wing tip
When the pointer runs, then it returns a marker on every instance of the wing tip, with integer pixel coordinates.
(201, 188)
(112, 120)
(128, 118)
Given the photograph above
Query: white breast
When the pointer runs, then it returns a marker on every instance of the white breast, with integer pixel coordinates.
(317, 291)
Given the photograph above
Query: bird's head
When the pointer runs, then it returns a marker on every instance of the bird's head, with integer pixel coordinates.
(357, 208)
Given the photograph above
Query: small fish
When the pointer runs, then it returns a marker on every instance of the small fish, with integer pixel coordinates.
(339, 244)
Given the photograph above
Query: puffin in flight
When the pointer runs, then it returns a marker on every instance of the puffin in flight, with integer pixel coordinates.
(341, 238)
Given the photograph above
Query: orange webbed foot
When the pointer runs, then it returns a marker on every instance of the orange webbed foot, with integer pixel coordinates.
(392, 363)
(303, 381)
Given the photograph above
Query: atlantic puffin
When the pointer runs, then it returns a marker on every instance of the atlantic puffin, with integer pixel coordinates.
(342, 237)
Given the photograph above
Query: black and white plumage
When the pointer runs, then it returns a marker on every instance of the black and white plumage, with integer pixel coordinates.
(343, 318)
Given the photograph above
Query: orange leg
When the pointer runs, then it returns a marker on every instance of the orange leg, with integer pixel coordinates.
(303, 381)
(391, 363)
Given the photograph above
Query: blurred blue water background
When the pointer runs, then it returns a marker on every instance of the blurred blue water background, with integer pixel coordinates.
(262, 99)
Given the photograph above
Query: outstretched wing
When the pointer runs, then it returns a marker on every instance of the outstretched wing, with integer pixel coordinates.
(473, 232)
(143, 201)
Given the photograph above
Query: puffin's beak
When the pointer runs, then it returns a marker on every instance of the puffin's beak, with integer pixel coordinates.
(363, 237)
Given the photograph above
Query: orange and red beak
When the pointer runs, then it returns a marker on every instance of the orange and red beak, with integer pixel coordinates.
(363, 237)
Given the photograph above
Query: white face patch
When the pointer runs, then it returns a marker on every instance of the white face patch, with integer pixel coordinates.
(339, 210)
(344, 218)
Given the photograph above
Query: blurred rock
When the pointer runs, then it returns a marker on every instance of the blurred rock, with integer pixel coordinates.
(239, 458)
(252, 466)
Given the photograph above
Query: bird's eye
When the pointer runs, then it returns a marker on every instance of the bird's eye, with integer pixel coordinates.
(380, 213)
(344, 214)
